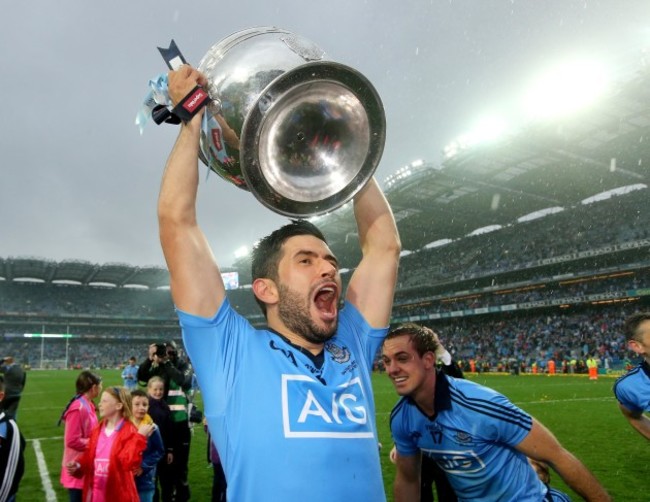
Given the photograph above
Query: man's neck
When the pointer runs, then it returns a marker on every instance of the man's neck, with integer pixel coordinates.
(425, 396)
(295, 338)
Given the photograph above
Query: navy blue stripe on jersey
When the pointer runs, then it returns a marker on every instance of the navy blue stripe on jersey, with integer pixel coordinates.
(400, 404)
(553, 495)
(493, 410)
(496, 407)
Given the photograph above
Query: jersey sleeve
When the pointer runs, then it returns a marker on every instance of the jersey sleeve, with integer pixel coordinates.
(627, 397)
(404, 443)
(500, 420)
(354, 328)
(215, 345)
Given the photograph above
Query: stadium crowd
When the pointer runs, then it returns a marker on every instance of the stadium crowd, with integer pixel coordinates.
(536, 339)
(525, 244)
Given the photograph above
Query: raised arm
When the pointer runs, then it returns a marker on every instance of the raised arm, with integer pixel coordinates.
(372, 284)
(540, 444)
(196, 283)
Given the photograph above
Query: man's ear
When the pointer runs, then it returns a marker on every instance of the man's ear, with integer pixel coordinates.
(266, 291)
(636, 347)
(429, 360)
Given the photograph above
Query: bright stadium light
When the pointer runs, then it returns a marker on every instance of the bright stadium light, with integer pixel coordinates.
(485, 130)
(241, 252)
(566, 88)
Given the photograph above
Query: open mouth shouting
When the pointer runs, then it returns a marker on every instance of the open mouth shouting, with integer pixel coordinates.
(325, 299)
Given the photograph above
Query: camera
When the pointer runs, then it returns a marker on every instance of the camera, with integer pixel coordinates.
(161, 350)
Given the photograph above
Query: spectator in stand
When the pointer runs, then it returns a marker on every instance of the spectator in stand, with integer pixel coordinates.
(632, 390)
(80, 419)
(14, 377)
(130, 374)
(176, 372)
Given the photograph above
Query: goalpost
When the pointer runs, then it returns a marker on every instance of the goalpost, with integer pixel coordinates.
(47, 363)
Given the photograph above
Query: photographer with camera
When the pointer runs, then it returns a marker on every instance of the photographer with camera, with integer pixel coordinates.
(164, 361)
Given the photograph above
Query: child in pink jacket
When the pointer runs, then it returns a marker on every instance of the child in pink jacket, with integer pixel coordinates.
(80, 419)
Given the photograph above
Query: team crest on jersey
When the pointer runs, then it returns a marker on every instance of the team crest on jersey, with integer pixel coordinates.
(340, 355)
(463, 437)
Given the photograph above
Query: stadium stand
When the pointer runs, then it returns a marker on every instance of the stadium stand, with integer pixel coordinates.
(530, 247)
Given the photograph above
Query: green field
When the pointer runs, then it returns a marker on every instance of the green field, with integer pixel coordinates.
(582, 414)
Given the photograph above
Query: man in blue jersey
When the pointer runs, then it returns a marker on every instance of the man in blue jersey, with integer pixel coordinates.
(290, 406)
(130, 374)
(476, 435)
(633, 389)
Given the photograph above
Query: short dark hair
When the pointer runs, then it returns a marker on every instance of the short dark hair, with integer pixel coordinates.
(632, 325)
(86, 380)
(420, 336)
(138, 393)
(268, 251)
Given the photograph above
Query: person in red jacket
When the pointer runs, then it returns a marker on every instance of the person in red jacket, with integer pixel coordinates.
(114, 451)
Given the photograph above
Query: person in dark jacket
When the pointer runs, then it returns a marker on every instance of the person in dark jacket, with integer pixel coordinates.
(12, 447)
(14, 377)
(164, 361)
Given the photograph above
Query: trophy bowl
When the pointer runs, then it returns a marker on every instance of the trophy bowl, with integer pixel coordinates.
(303, 134)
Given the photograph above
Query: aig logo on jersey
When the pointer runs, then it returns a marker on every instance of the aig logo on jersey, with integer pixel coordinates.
(312, 410)
(457, 462)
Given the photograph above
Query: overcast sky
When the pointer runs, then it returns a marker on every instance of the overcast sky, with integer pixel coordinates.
(79, 182)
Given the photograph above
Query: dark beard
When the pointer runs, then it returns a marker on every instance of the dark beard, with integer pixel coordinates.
(294, 313)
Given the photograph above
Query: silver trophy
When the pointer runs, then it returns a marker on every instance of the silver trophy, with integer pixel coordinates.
(300, 132)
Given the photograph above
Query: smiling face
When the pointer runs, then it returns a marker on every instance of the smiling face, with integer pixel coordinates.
(309, 288)
(412, 375)
(156, 389)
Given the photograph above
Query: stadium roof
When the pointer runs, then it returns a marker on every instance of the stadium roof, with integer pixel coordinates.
(543, 165)
(82, 272)
(546, 164)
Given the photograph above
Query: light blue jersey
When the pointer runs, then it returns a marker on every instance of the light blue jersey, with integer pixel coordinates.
(472, 438)
(633, 389)
(286, 429)
(130, 376)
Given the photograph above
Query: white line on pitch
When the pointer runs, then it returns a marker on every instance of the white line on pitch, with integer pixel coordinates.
(44, 439)
(50, 496)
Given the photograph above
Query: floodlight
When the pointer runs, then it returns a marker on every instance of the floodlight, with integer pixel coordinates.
(241, 252)
(485, 130)
(566, 88)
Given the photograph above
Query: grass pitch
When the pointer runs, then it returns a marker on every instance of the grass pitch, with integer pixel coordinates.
(582, 414)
